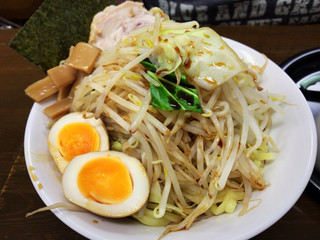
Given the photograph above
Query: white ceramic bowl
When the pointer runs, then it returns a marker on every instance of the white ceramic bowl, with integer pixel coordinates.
(294, 132)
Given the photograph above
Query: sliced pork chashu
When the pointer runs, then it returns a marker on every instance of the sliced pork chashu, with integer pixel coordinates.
(115, 23)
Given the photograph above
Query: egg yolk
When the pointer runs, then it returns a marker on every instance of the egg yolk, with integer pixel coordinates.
(106, 180)
(77, 138)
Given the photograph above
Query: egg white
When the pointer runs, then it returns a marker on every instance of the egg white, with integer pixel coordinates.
(61, 162)
(136, 200)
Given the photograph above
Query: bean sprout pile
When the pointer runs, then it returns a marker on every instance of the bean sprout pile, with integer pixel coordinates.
(198, 164)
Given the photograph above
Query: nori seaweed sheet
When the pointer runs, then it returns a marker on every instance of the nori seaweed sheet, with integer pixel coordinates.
(47, 36)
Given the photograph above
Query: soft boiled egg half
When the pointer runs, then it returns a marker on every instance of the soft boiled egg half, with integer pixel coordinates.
(75, 134)
(110, 183)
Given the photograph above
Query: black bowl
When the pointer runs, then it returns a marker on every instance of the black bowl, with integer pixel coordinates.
(304, 65)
